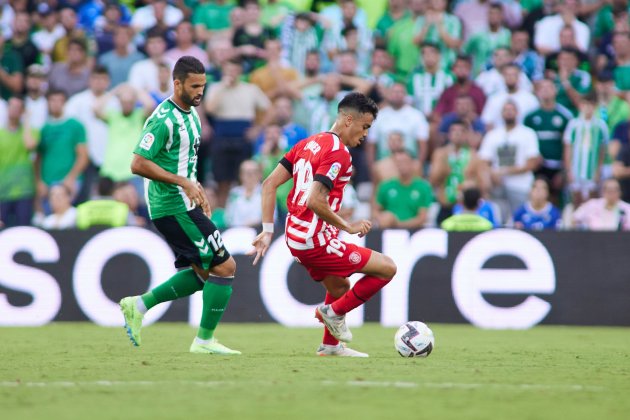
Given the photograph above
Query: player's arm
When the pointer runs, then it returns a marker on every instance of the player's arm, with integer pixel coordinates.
(318, 202)
(270, 185)
(148, 169)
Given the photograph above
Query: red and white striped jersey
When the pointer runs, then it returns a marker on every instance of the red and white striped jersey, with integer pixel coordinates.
(324, 158)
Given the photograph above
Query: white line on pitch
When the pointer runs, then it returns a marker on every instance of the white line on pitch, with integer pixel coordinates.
(366, 384)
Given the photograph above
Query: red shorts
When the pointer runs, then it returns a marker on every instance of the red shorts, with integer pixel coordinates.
(338, 258)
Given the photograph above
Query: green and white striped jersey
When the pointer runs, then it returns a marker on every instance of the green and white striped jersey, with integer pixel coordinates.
(587, 138)
(170, 139)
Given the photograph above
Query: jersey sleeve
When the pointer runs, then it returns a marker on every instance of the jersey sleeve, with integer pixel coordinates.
(153, 138)
(332, 166)
(289, 159)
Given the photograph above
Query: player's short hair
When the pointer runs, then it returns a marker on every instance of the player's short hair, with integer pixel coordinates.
(186, 65)
(498, 6)
(471, 197)
(358, 102)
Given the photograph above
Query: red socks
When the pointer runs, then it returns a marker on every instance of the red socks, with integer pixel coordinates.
(328, 337)
(362, 291)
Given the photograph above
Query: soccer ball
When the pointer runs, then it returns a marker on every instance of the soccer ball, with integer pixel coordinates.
(414, 339)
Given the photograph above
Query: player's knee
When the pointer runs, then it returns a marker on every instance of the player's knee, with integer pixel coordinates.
(225, 269)
(341, 288)
(389, 268)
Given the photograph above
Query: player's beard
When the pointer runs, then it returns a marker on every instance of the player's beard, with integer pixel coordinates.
(188, 100)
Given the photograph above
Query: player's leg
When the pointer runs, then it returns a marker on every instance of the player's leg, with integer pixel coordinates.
(217, 291)
(379, 270)
(336, 287)
(177, 231)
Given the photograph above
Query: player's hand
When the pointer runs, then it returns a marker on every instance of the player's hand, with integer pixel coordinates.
(261, 245)
(362, 227)
(194, 192)
(205, 205)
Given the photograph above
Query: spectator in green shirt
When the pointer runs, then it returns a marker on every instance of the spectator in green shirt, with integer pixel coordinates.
(212, 17)
(402, 202)
(621, 47)
(610, 108)
(62, 154)
(124, 130)
(17, 183)
(441, 28)
(468, 220)
(400, 41)
(481, 44)
(396, 10)
(11, 78)
(571, 82)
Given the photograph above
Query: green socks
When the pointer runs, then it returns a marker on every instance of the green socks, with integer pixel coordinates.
(183, 283)
(216, 295)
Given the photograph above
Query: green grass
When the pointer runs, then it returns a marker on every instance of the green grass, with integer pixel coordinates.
(547, 372)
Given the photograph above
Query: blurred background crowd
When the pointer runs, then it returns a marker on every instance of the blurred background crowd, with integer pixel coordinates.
(492, 113)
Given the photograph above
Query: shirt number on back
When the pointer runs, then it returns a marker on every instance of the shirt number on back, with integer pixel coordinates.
(303, 181)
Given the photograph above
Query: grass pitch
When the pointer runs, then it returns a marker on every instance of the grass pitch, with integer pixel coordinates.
(66, 371)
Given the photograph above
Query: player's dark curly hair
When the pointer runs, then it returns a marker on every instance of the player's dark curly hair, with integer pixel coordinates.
(185, 65)
(358, 102)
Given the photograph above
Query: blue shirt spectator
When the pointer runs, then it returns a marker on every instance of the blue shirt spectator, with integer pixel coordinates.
(538, 213)
(486, 209)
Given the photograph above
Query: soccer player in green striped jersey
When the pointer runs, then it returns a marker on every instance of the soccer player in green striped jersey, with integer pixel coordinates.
(166, 156)
(585, 140)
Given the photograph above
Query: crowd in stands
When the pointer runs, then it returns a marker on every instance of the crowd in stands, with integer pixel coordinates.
(492, 112)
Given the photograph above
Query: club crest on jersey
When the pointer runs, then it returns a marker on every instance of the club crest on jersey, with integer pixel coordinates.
(355, 257)
(334, 171)
(313, 147)
(147, 141)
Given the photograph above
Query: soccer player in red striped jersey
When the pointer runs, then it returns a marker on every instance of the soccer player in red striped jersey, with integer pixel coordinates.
(321, 167)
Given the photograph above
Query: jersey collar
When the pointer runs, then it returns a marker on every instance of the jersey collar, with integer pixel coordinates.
(170, 99)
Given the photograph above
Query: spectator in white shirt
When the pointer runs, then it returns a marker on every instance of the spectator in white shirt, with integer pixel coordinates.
(606, 213)
(491, 81)
(185, 45)
(244, 201)
(144, 17)
(35, 99)
(510, 154)
(81, 107)
(144, 74)
(547, 31)
(50, 30)
(63, 215)
(525, 101)
(400, 117)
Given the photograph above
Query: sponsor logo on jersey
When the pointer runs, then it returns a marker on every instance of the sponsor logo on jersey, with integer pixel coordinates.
(334, 171)
(147, 141)
(355, 257)
(556, 121)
